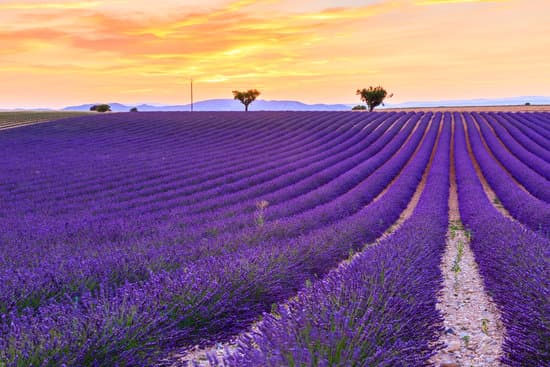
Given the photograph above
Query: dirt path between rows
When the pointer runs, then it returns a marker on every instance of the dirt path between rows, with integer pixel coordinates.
(473, 331)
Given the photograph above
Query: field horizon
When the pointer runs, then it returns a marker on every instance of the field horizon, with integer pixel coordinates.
(296, 105)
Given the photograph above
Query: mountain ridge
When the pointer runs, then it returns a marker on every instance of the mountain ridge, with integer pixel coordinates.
(290, 105)
(222, 105)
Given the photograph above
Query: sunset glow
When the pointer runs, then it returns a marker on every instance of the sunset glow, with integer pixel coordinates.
(57, 53)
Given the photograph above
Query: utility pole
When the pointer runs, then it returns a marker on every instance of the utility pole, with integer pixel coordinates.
(191, 95)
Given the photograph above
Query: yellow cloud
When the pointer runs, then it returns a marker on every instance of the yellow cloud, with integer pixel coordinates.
(52, 5)
(316, 54)
(437, 2)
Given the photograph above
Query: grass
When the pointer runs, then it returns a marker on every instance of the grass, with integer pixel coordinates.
(458, 259)
(485, 326)
(19, 118)
(456, 225)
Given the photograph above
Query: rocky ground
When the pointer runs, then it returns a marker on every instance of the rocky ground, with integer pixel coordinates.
(473, 332)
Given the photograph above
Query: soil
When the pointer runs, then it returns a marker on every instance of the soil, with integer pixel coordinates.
(473, 331)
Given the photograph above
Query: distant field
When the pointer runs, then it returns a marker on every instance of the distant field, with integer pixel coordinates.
(14, 119)
(518, 108)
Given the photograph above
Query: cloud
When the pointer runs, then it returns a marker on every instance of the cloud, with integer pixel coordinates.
(440, 2)
(50, 5)
(120, 45)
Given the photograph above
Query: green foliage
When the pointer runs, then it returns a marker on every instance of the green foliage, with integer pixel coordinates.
(359, 107)
(527, 104)
(460, 253)
(246, 97)
(373, 96)
(485, 326)
(134, 109)
(101, 108)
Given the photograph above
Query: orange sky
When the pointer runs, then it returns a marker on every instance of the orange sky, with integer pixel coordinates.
(59, 52)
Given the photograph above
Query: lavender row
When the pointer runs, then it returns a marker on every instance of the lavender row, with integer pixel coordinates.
(33, 203)
(377, 310)
(374, 151)
(521, 123)
(329, 202)
(68, 223)
(92, 195)
(110, 126)
(297, 144)
(533, 121)
(300, 166)
(534, 183)
(137, 260)
(183, 158)
(541, 119)
(529, 159)
(123, 154)
(71, 222)
(529, 210)
(190, 305)
(334, 180)
(514, 265)
(525, 136)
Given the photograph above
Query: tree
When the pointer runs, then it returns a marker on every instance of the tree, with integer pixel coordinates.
(374, 96)
(101, 108)
(359, 107)
(133, 109)
(247, 97)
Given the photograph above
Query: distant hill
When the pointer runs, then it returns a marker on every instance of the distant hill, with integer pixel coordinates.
(223, 105)
(511, 101)
(265, 105)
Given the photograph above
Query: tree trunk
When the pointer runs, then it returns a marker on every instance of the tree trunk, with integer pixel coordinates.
(371, 107)
(245, 108)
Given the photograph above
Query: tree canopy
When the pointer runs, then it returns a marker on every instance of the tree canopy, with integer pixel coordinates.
(101, 108)
(359, 107)
(373, 96)
(246, 97)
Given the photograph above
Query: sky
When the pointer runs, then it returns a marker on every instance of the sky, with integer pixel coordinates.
(56, 53)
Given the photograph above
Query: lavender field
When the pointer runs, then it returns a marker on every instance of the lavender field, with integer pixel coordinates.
(129, 239)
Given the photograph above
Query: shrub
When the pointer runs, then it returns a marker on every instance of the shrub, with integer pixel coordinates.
(101, 108)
